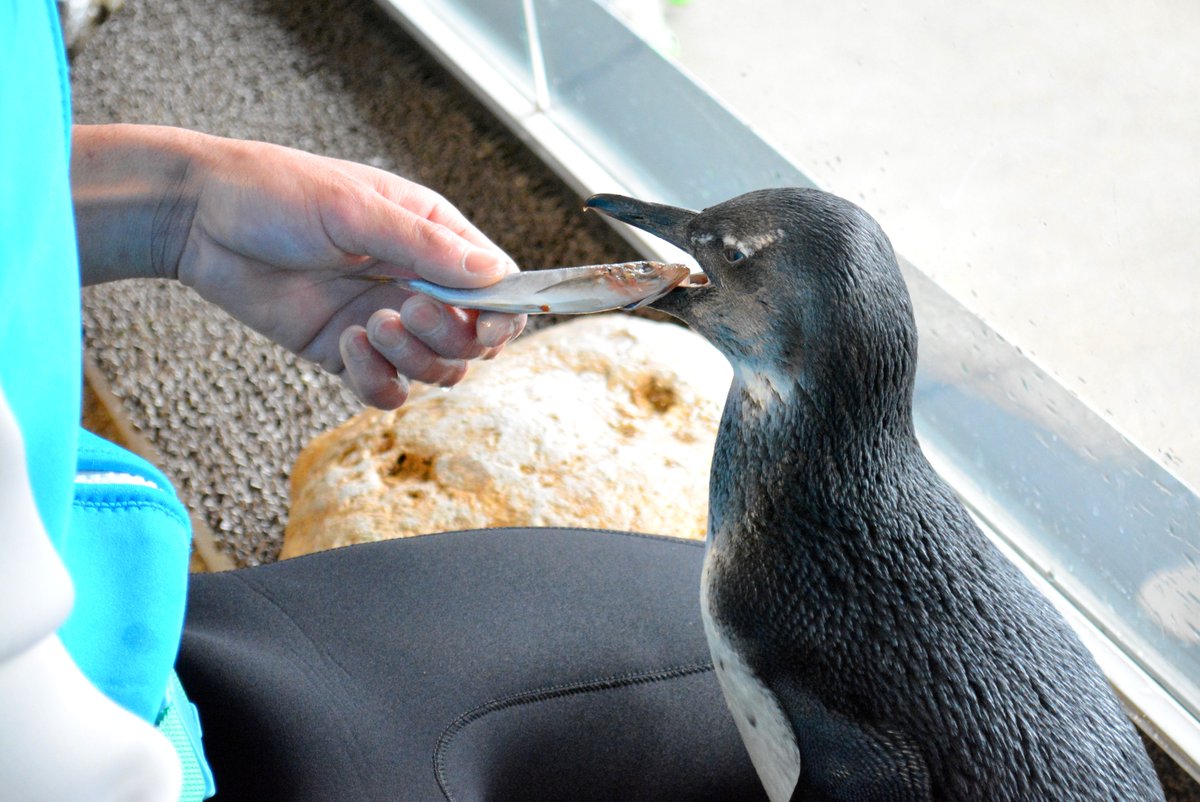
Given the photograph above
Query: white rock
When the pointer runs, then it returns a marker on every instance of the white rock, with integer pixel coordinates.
(606, 421)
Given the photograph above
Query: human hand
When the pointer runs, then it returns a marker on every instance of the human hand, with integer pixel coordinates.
(270, 234)
(274, 233)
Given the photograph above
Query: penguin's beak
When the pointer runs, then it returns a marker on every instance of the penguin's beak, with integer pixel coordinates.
(669, 223)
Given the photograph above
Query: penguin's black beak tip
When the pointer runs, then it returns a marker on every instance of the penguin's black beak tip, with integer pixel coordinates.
(625, 210)
(668, 223)
(606, 204)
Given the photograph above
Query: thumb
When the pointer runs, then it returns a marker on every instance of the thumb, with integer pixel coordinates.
(387, 231)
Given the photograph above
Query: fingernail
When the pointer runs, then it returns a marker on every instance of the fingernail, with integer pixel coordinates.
(354, 347)
(495, 330)
(484, 263)
(455, 372)
(386, 332)
(421, 316)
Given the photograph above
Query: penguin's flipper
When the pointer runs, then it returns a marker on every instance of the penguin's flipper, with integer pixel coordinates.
(845, 761)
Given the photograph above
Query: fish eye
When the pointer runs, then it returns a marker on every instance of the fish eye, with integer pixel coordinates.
(733, 255)
(645, 269)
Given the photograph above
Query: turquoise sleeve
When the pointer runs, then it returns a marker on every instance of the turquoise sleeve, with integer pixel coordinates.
(39, 267)
(125, 545)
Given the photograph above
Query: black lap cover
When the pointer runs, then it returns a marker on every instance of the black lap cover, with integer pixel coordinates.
(514, 664)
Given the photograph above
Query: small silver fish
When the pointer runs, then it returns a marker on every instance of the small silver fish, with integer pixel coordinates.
(560, 290)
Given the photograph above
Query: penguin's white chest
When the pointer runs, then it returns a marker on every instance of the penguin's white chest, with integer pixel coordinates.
(758, 715)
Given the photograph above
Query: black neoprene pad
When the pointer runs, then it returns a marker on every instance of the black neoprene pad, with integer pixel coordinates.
(519, 664)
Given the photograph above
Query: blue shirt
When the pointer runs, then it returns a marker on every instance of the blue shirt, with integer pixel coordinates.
(39, 274)
(125, 542)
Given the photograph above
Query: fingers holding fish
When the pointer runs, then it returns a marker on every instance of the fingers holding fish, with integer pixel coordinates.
(409, 352)
(372, 377)
(453, 333)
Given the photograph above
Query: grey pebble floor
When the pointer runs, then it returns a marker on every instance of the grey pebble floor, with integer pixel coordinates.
(227, 410)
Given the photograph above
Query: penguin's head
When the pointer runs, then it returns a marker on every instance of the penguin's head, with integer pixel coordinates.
(798, 285)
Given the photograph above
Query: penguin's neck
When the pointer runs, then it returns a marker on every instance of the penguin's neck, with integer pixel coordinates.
(787, 448)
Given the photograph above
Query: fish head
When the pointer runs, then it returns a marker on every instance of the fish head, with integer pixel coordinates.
(591, 288)
(642, 283)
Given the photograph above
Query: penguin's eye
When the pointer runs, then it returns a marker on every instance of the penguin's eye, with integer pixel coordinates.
(733, 255)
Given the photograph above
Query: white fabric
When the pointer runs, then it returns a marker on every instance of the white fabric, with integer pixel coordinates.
(60, 738)
(112, 478)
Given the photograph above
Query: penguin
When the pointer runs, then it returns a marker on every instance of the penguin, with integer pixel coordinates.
(871, 643)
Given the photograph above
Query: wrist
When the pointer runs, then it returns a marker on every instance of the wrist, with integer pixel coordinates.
(135, 190)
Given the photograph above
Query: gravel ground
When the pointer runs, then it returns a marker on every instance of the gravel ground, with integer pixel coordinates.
(227, 410)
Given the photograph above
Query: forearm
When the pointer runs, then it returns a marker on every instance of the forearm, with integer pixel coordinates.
(135, 189)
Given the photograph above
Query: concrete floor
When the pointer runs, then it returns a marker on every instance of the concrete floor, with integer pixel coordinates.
(1040, 162)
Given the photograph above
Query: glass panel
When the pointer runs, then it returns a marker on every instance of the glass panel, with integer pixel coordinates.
(1039, 163)
(496, 27)
(623, 102)
(1106, 524)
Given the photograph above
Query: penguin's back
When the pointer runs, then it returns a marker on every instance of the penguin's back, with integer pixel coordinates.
(902, 631)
